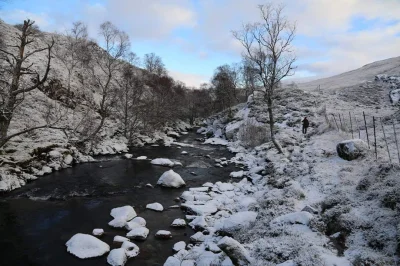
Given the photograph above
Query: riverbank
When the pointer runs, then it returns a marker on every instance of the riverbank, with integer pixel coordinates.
(38, 219)
(311, 207)
(45, 151)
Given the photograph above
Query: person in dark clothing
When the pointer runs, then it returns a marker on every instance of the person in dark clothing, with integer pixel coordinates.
(305, 125)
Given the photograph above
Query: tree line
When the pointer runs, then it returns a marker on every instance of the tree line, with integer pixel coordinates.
(136, 93)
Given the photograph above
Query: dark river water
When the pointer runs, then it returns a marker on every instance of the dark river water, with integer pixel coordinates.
(37, 220)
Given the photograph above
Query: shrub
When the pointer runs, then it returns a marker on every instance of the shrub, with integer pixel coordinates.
(253, 134)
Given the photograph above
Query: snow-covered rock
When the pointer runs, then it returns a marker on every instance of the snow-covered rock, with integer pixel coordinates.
(179, 245)
(139, 233)
(128, 155)
(237, 221)
(141, 158)
(165, 162)
(199, 210)
(184, 152)
(98, 232)
(121, 216)
(68, 159)
(352, 149)
(171, 179)
(178, 223)
(86, 246)
(139, 220)
(172, 261)
(120, 239)
(302, 217)
(131, 249)
(216, 141)
(155, 207)
(394, 96)
(287, 263)
(163, 234)
(198, 237)
(238, 174)
(117, 257)
(125, 212)
(236, 252)
(199, 223)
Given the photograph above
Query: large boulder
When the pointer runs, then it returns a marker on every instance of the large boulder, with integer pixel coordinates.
(86, 246)
(171, 179)
(352, 149)
(237, 221)
(394, 96)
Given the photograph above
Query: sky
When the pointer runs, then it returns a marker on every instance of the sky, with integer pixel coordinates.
(193, 37)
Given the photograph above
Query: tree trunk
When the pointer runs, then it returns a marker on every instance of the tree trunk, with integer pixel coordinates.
(271, 126)
(4, 125)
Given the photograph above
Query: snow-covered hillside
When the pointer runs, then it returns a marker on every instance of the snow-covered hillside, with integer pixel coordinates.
(358, 76)
(42, 151)
(305, 207)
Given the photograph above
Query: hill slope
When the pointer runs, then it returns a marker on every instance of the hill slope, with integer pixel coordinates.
(390, 66)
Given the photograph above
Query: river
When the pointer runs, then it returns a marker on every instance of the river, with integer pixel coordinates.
(38, 219)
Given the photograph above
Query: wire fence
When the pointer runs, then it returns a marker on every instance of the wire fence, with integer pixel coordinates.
(381, 133)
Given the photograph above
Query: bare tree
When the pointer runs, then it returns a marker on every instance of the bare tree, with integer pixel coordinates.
(154, 64)
(267, 45)
(106, 63)
(129, 107)
(72, 49)
(18, 77)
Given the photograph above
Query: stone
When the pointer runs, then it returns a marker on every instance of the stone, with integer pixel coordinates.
(163, 234)
(352, 149)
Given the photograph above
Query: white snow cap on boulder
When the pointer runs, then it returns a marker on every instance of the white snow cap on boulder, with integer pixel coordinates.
(139, 233)
(155, 207)
(131, 249)
(293, 218)
(98, 232)
(171, 179)
(117, 257)
(121, 216)
(86, 246)
(126, 212)
(237, 221)
(165, 162)
(351, 149)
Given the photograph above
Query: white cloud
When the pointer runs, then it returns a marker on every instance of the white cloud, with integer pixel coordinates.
(329, 48)
(189, 79)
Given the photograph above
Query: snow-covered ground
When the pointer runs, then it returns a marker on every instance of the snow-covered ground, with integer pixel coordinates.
(305, 207)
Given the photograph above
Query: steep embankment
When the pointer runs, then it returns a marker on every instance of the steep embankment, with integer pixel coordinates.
(306, 207)
(42, 151)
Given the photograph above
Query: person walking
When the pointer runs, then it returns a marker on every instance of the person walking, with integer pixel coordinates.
(305, 125)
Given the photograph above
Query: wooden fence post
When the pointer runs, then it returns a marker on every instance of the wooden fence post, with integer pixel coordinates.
(376, 151)
(395, 137)
(358, 127)
(334, 118)
(351, 127)
(384, 136)
(366, 129)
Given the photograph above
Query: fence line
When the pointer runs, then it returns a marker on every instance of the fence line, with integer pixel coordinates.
(389, 142)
